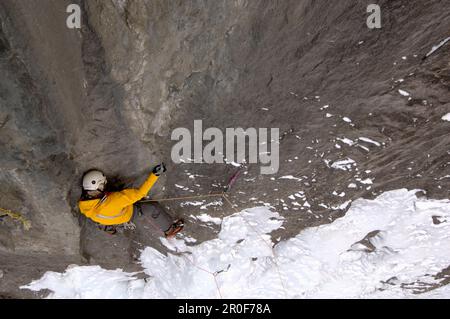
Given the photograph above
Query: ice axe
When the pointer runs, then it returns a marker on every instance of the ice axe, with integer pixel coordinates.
(233, 179)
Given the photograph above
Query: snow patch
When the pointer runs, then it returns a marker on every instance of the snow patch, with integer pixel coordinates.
(388, 247)
(438, 46)
(446, 117)
(404, 93)
(290, 177)
(346, 119)
(368, 140)
(346, 141)
(366, 181)
(195, 203)
(344, 165)
(182, 187)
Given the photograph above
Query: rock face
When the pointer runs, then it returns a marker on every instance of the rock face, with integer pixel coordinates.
(110, 94)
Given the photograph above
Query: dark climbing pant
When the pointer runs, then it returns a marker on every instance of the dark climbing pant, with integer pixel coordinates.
(156, 214)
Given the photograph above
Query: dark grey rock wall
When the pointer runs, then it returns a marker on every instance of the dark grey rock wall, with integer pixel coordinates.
(110, 94)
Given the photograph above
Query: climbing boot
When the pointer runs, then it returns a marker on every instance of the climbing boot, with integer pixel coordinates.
(176, 227)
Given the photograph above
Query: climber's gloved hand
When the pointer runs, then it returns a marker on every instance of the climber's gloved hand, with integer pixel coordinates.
(159, 169)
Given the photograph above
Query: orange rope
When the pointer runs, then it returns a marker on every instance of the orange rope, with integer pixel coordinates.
(179, 198)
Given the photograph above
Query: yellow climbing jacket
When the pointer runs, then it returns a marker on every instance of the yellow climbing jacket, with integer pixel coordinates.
(117, 207)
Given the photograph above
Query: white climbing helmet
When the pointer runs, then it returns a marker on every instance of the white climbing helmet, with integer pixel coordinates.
(94, 180)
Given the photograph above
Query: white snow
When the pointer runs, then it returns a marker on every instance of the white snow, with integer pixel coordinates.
(346, 141)
(290, 177)
(174, 244)
(403, 250)
(195, 203)
(368, 140)
(404, 93)
(234, 164)
(446, 117)
(182, 187)
(208, 219)
(436, 47)
(88, 282)
(300, 195)
(231, 162)
(213, 203)
(346, 119)
(344, 165)
(366, 181)
(364, 148)
(342, 206)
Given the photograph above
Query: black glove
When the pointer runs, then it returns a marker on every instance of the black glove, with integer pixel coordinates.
(159, 169)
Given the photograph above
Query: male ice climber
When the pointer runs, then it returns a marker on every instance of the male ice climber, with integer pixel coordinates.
(111, 209)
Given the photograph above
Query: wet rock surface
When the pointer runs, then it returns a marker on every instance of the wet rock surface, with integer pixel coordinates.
(110, 94)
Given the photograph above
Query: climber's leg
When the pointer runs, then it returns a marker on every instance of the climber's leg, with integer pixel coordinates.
(160, 219)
